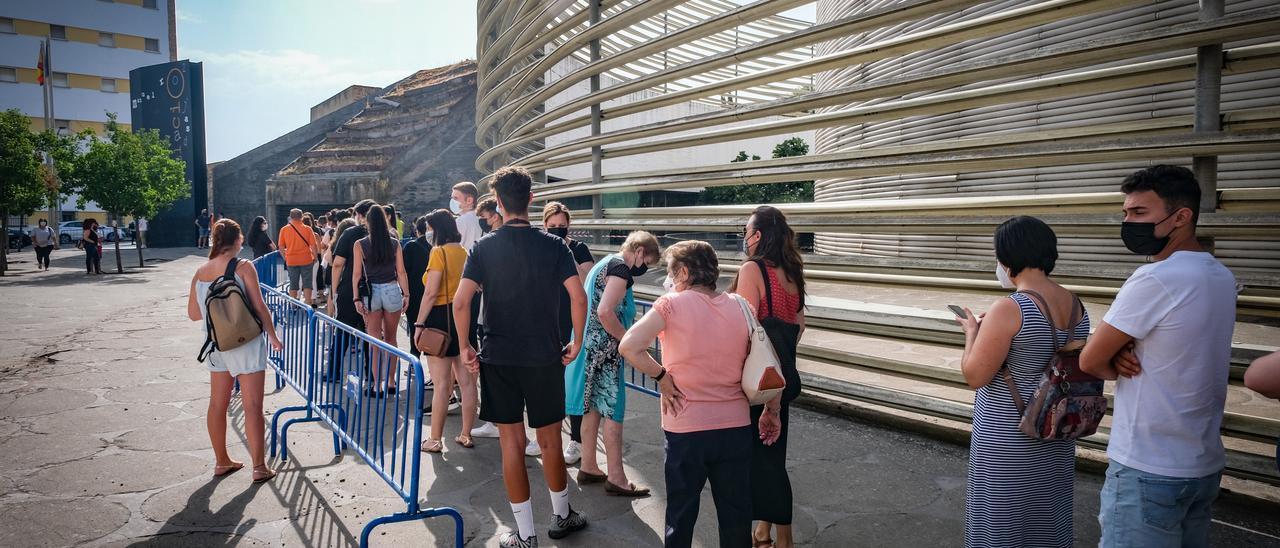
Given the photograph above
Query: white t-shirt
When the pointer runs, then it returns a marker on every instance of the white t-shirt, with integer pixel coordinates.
(469, 227)
(142, 225)
(1181, 312)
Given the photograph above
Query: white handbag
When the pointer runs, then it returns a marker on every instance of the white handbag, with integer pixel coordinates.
(762, 378)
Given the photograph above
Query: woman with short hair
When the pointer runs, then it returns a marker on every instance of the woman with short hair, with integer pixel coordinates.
(594, 383)
(246, 363)
(1018, 489)
(440, 283)
(705, 415)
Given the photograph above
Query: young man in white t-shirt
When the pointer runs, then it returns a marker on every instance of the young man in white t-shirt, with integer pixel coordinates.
(462, 202)
(1167, 342)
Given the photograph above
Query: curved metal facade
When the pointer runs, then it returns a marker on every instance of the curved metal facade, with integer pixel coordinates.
(958, 112)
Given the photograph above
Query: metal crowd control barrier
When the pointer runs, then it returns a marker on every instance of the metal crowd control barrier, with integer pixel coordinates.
(636, 380)
(346, 378)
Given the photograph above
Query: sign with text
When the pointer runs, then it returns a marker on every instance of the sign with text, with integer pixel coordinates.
(169, 98)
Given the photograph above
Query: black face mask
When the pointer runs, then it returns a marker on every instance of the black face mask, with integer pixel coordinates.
(561, 231)
(484, 227)
(639, 270)
(1141, 238)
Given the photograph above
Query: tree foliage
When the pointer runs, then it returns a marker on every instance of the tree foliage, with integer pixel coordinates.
(769, 193)
(26, 182)
(129, 173)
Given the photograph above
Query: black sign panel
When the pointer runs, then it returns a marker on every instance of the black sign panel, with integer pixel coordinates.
(169, 98)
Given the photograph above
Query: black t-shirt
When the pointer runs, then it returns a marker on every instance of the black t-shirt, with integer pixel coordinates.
(581, 254)
(203, 221)
(346, 249)
(617, 267)
(522, 271)
(260, 243)
(416, 254)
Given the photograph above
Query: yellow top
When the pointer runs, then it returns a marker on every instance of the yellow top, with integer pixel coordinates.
(456, 257)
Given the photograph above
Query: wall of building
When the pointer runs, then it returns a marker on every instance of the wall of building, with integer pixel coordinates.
(342, 99)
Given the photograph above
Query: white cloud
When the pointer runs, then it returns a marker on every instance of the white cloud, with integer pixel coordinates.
(187, 17)
(293, 70)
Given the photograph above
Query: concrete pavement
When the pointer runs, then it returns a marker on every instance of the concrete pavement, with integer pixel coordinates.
(103, 443)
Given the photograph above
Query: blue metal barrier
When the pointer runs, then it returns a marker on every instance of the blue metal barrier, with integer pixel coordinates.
(346, 377)
(639, 381)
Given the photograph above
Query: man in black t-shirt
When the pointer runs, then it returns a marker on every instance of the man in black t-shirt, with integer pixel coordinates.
(343, 253)
(521, 360)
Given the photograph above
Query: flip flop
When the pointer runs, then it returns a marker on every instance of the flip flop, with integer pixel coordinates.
(260, 479)
(629, 491)
(220, 471)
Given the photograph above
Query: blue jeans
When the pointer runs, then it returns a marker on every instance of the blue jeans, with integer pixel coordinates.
(1143, 509)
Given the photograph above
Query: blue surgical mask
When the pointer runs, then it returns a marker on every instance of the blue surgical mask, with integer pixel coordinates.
(455, 206)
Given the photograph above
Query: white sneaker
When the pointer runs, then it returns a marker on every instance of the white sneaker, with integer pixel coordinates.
(572, 453)
(486, 430)
(532, 449)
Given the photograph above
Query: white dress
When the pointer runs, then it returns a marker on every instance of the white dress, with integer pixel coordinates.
(247, 358)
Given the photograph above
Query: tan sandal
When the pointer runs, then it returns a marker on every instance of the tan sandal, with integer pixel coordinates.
(465, 441)
(432, 446)
(221, 470)
(267, 474)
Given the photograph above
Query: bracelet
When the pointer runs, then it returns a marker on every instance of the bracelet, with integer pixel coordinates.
(662, 372)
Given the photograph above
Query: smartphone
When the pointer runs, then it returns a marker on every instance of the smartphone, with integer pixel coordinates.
(958, 311)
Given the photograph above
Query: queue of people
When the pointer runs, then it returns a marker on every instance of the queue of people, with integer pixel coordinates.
(539, 332)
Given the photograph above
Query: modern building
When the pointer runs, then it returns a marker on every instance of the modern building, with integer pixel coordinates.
(94, 45)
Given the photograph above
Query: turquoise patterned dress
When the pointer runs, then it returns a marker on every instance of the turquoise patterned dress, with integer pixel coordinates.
(594, 381)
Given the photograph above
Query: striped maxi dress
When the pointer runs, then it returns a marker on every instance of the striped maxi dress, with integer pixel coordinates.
(1019, 490)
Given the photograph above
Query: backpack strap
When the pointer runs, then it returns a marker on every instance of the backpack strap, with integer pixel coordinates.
(1043, 305)
(231, 268)
(768, 286)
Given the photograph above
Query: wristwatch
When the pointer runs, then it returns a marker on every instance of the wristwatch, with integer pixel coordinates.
(662, 372)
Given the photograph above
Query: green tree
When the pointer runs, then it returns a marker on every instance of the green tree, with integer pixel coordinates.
(26, 182)
(129, 173)
(768, 193)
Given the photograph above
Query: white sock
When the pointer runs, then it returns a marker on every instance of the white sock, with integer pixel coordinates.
(560, 502)
(524, 517)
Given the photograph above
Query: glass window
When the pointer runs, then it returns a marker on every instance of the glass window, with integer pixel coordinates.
(149, 4)
(6, 25)
(109, 85)
(153, 44)
(60, 80)
(107, 39)
(8, 74)
(58, 32)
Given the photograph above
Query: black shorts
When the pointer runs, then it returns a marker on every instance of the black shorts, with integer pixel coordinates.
(507, 392)
(438, 318)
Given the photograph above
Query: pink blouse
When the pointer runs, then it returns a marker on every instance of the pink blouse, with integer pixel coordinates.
(704, 346)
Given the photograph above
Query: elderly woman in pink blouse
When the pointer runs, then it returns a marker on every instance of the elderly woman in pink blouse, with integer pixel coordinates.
(705, 416)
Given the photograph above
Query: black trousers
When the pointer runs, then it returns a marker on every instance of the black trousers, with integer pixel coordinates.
(770, 484)
(342, 342)
(42, 255)
(92, 258)
(723, 457)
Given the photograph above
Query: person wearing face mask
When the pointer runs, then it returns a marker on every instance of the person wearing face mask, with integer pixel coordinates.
(706, 419)
(462, 202)
(1018, 488)
(45, 241)
(487, 211)
(772, 282)
(555, 220)
(594, 384)
(1166, 341)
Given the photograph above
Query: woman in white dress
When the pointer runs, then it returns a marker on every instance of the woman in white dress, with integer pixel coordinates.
(246, 363)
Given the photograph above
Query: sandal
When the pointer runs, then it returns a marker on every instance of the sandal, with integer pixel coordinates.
(465, 441)
(432, 446)
(267, 474)
(221, 470)
(761, 543)
(630, 490)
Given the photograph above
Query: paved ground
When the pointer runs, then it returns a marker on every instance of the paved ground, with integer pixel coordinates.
(103, 443)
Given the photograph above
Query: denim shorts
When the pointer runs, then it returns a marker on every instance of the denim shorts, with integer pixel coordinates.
(386, 297)
(1144, 509)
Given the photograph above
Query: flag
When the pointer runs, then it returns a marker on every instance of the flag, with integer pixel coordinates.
(40, 65)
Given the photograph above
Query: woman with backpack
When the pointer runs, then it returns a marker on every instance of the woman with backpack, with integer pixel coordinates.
(772, 282)
(246, 363)
(1019, 488)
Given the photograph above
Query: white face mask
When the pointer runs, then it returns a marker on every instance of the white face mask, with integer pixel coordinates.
(669, 285)
(455, 206)
(1003, 276)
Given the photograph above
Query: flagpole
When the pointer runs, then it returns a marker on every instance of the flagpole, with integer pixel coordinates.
(55, 212)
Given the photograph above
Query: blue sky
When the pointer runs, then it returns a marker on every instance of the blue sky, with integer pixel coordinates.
(267, 62)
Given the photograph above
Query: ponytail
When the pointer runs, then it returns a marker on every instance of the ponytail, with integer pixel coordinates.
(223, 237)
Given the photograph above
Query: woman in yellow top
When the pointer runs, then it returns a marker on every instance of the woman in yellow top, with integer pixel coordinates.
(440, 282)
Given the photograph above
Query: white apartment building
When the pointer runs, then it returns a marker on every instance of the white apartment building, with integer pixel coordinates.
(95, 43)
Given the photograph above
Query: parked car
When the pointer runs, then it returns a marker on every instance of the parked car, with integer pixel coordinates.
(18, 240)
(69, 231)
